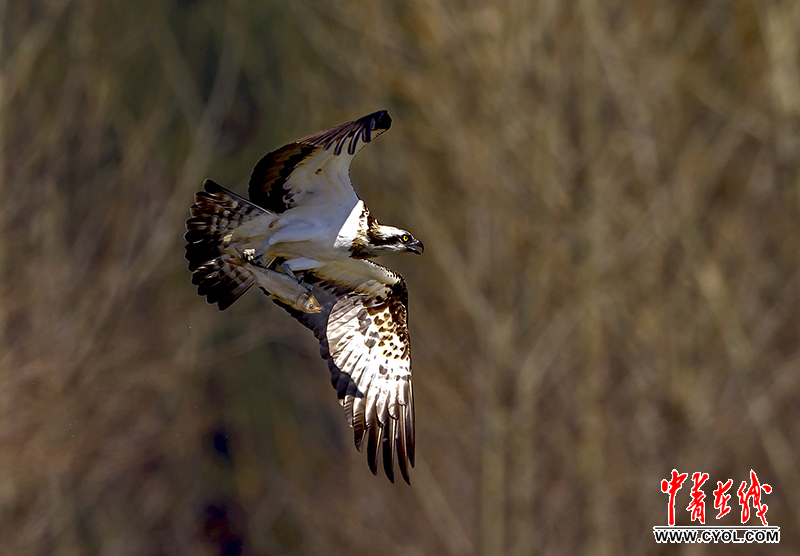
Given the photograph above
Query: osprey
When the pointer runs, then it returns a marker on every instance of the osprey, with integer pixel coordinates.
(306, 239)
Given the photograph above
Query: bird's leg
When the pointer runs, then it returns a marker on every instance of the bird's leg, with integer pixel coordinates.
(251, 256)
(258, 254)
(288, 270)
(303, 285)
(286, 266)
(298, 264)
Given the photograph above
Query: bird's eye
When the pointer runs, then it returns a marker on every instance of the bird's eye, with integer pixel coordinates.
(405, 238)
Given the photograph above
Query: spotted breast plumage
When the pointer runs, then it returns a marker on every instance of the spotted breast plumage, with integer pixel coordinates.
(306, 239)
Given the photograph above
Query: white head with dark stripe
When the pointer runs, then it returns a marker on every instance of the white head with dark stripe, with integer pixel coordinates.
(375, 239)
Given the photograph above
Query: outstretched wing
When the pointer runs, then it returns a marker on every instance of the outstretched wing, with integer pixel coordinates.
(363, 335)
(314, 170)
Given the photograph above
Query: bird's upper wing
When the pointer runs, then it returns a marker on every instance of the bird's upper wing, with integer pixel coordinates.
(363, 335)
(314, 170)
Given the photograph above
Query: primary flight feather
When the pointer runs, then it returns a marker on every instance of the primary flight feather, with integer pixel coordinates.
(305, 238)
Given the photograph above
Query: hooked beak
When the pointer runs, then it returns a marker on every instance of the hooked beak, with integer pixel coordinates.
(415, 247)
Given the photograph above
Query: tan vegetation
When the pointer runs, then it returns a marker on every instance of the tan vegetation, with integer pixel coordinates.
(609, 196)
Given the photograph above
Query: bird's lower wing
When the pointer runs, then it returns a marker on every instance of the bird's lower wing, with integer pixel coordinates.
(363, 335)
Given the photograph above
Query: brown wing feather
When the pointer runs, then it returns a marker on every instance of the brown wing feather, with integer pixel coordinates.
(338, 136)
(270, 185)
(364, 339)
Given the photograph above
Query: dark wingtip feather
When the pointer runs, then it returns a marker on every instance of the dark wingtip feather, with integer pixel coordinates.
(387, 447)
(211, 186)
(349, 133)
(372, 447)
(358, 435)
(410, 437)
(400, 445)
(383, 120)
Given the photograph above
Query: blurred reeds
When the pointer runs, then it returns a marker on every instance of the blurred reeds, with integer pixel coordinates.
(609, 197)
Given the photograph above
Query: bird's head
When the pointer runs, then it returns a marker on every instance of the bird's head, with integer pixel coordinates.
(388, 239)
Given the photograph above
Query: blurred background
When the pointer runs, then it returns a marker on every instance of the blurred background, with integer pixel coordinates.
(609, 196)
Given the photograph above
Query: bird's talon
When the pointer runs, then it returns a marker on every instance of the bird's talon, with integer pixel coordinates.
(249, 255)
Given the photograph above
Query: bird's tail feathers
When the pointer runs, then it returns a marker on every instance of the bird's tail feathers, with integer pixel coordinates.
(222, 281)
(216, 213)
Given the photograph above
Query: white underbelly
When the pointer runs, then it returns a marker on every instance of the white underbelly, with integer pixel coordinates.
(299, 234)
(310, 249)
(305, 234)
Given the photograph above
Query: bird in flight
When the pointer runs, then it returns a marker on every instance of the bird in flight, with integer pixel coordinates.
(306, 239)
